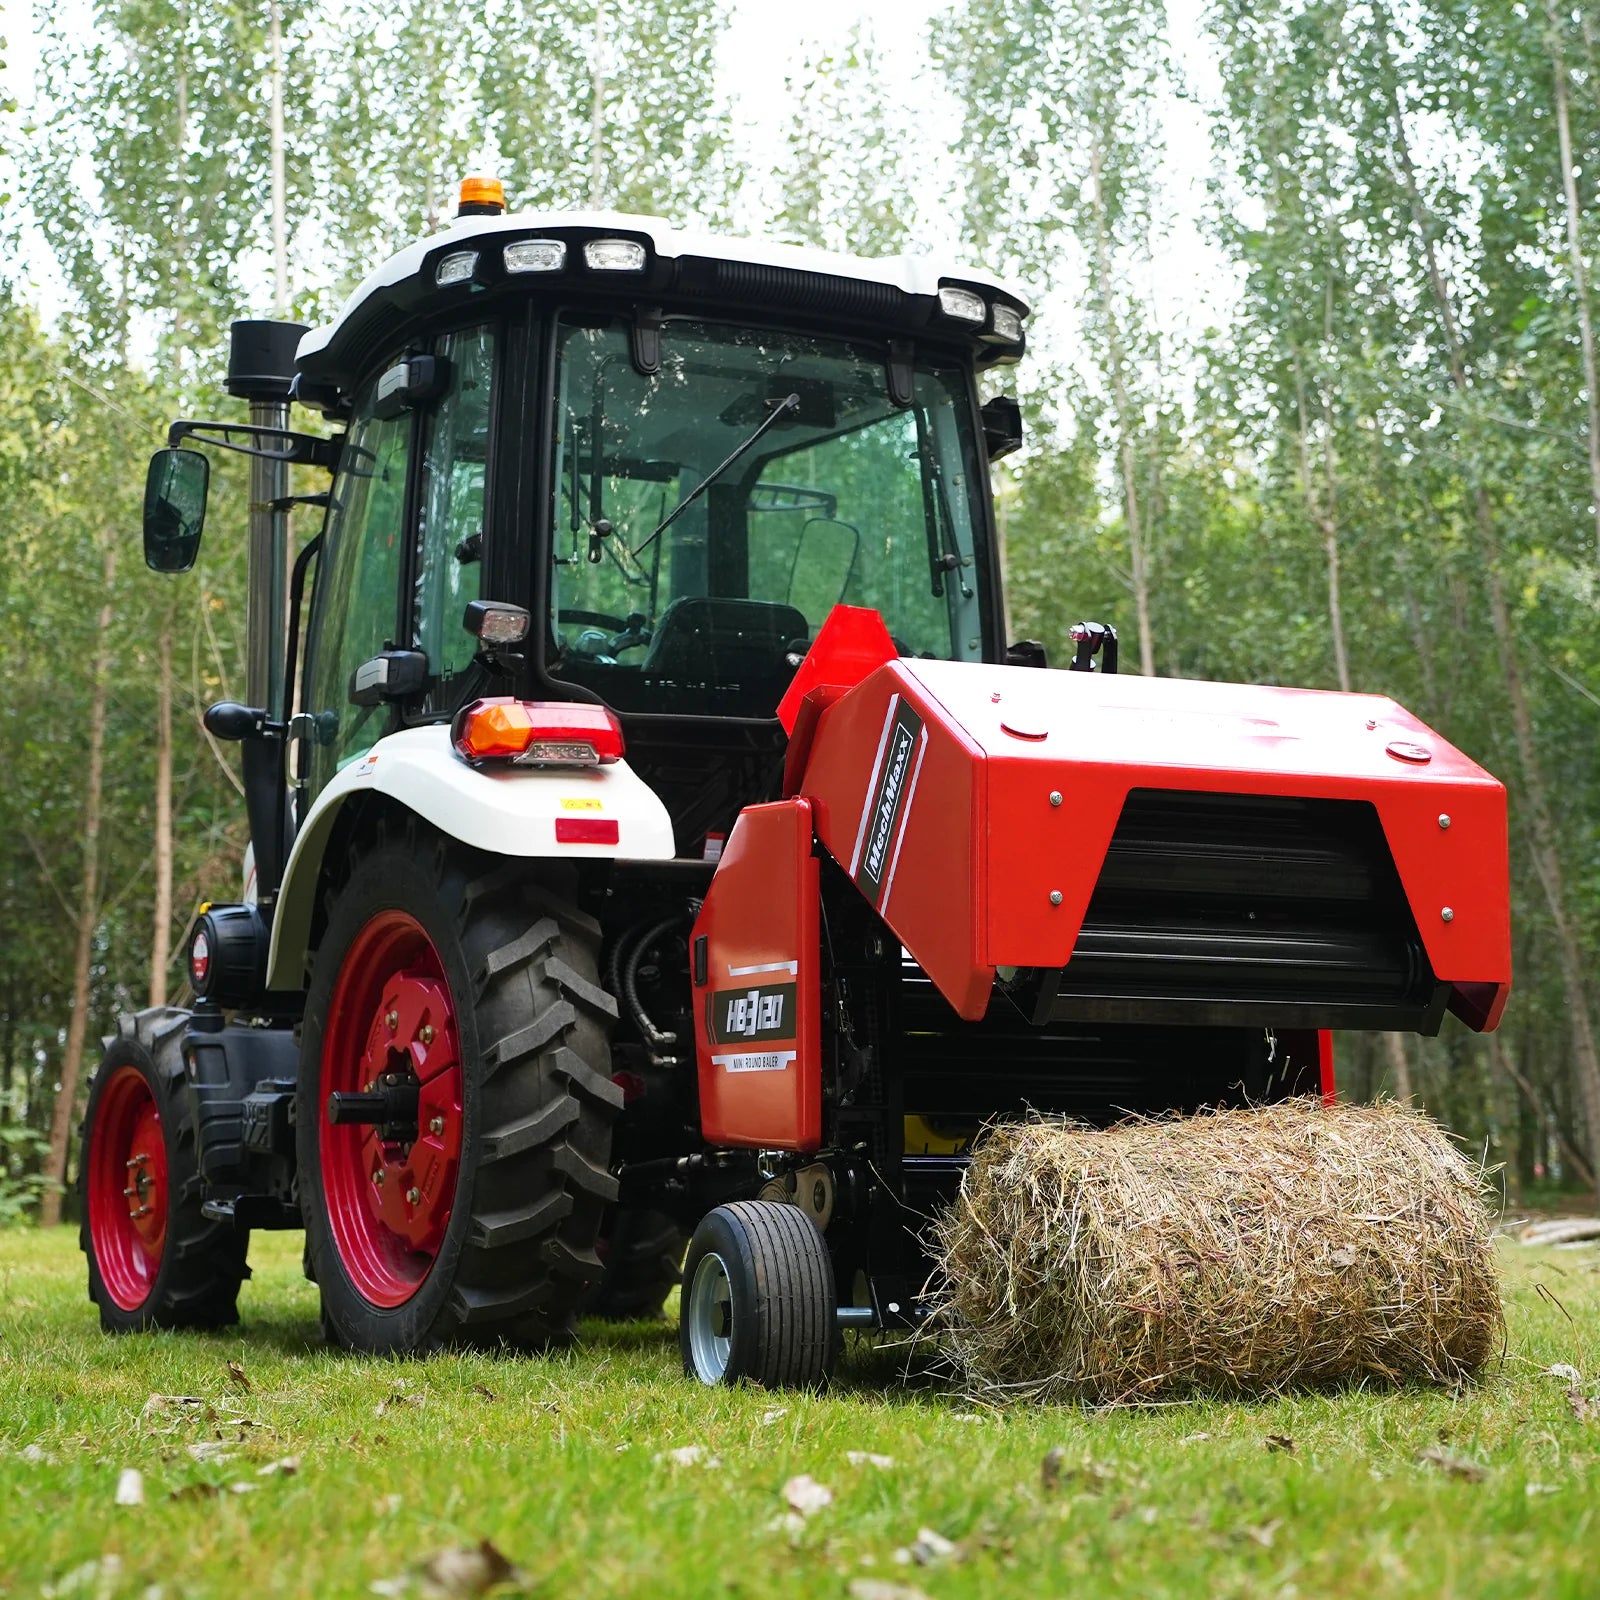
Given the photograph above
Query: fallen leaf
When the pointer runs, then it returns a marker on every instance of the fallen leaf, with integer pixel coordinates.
(102, 1577)
(161, 1405)
(879, 1589)
(287, 1466)
(1531, 1489)
(130, 1487)
(789, 1522)
(774, 1415)
(1193, 1438)
(209, 1450)
(236, 1376)
(869, 1458)
(967, 1416)
(1562, 1371)
(1264, 1534)
(243, 1488)
(930, 1548)
(487, 1394)
(398, 1398)
(1582, 1407)
(1279, 1442)
(1455, 1466)
(806, 1495)
(458, 1572)
(36, 1455)
(1050, 1468)
(690, 1455)
(195, 1491)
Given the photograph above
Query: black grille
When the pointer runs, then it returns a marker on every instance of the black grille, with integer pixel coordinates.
(1228, 908)
(749, 283)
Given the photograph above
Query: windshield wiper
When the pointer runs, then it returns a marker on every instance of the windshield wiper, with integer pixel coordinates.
(790, 402)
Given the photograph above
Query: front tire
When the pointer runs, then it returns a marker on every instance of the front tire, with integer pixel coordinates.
(154, 1260)
(466, 974)
(759, 1299)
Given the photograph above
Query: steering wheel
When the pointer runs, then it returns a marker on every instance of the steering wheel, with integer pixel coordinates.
(596, 619)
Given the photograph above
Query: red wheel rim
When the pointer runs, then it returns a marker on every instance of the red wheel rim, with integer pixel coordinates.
(127, 1159)
(389, 1200)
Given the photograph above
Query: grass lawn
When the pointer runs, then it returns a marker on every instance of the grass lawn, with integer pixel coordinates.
(564, 1463)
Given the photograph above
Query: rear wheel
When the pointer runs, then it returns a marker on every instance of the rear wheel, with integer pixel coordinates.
(154, 1260)
(759, 1299)
(465, 978)
(642, 1251)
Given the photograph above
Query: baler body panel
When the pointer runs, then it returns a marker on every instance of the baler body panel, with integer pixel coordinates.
(987, 873)
(757, 1008)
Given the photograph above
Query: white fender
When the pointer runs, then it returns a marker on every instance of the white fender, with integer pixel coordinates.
(511, 811)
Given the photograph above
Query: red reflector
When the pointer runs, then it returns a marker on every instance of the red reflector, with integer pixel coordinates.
(550, 733)
(587, 830)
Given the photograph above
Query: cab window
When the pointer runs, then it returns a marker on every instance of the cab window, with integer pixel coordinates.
(451, 505)
(358, 586)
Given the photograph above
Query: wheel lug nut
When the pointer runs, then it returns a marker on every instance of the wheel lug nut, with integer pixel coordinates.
(392, 1020)
(436, 1125)
(377, 1176)
(426, 1035)
(413, 1196)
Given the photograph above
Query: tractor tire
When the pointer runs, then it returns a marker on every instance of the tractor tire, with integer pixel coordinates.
(467, 974)
(759, 1299)
(642, 1251)
(154, 1260)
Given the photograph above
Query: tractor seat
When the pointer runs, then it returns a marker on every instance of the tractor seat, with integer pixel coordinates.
(713, 642)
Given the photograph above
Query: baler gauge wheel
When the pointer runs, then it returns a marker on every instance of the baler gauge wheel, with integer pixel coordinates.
(761, 1300)
(709, 1316)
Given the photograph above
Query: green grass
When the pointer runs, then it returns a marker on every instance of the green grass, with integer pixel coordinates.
(559, 1462)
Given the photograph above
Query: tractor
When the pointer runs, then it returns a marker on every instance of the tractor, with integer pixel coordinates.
(662, 865)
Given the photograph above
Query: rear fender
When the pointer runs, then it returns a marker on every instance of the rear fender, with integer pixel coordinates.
(594, 813)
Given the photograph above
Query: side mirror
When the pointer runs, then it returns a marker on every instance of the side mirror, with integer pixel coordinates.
(174, 509)
(1002, 425)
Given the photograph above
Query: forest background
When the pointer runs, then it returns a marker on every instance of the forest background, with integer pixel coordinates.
(1370, 460)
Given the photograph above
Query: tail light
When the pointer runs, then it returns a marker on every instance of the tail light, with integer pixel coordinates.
(537, 733)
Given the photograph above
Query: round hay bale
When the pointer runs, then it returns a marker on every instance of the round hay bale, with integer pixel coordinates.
(1238, 1252)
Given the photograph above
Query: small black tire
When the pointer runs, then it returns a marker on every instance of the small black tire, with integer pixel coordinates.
(193, 1280)
(643, 1252)
(515, 1256)
(759, 1301)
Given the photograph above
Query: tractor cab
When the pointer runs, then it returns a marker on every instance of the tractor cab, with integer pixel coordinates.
(676, 452)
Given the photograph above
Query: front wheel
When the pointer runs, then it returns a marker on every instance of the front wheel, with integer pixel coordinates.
(468, 989)
(759, 1299)
(155, 1261)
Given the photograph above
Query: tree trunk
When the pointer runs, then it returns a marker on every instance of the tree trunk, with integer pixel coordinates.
(161, 919)
(280, 242)
(1323, 512)
(1119, 392)
(1541, 820)
(61, 1117)
(1399, 1065)
(1580, 270)
(597, 113)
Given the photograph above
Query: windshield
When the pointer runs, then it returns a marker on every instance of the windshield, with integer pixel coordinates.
(832, 493)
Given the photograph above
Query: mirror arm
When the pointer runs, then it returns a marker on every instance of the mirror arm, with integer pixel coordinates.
(303, 449)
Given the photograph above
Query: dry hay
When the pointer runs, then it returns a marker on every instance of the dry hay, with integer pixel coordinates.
(1234, 1252)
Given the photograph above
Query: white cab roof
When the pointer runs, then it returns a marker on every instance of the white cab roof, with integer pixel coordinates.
(912, 275)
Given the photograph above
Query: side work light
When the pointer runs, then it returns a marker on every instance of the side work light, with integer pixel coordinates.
(963, 304)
